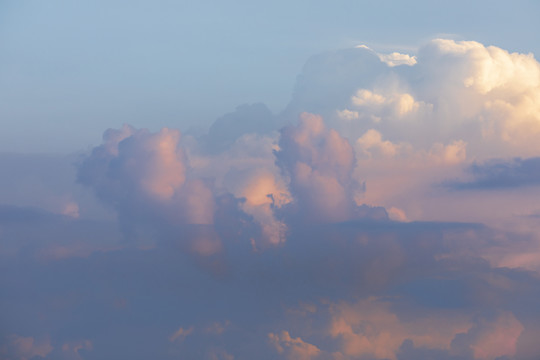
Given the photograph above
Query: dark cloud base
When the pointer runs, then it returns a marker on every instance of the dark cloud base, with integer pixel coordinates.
(128, 301)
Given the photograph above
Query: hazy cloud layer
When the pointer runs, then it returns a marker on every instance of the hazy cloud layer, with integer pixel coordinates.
(346, 291)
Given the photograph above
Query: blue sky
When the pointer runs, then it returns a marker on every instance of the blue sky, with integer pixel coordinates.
(70, 70)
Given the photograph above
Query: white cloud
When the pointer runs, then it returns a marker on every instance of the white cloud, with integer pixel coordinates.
(392, 59)
(456, 90)
(396, 59)
(348, 114)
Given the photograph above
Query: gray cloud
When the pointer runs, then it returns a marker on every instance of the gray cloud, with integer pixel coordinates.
(127, 302)
(500, 174)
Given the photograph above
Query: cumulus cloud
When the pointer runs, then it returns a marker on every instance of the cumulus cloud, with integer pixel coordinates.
(416, 126)
(25, 348)
(396, 105)
(291, 258)
(486, 88)
(496, 338)
(369, 328)
(156, 182)
(264, 193)
(394, 58)
(145, 177)
(293, 348)
(135, 165)
(477, 83)
(248, 171)
(328, 80)
(247, 119)
(452, 91)
(319, 164)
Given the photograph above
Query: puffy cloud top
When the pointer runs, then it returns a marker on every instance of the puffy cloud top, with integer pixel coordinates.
(452, 91)
(141, 173)
(319, 163)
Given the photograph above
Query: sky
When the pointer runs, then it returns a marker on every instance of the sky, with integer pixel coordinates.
(71, 69)
(298, 181)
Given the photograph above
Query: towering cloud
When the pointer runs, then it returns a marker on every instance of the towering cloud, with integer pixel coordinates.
(145, 177)
(319, 164)
(453, 90)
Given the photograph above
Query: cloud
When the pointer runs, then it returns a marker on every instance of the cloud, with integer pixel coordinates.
(414, 127)
(163, 187)
(396, 105)
(248, 171)
(496, 338)
(146, 178)
(452, 91)
(136, 163)
(396, 59)
(26, 348)
(358, 287)
(348, 114)
(329, 79)
(159, 184)
(500, 174)
(319, 164)
(72, 350)
(393, 59)
(246, 119)
(369, 328)
(476, 83)
(293, 348)
(180, 334)
(323, 240)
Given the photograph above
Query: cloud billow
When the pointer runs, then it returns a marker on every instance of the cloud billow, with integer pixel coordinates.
(145, 177)
(319, 164)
